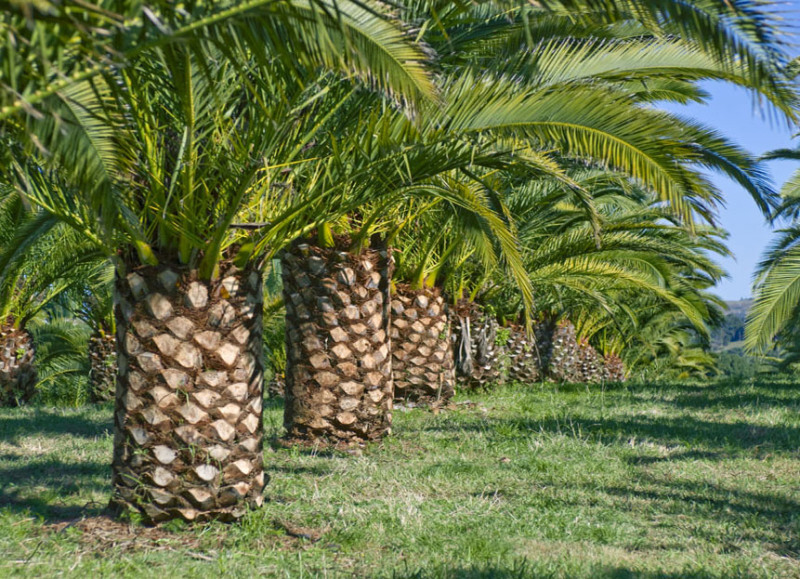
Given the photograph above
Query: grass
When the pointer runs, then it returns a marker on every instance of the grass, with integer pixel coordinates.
(538, 481)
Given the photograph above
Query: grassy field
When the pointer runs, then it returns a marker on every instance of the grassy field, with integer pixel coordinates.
(543, 481)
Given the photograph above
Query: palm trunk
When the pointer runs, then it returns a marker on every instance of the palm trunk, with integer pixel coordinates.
(613, 368)
(524, 364)
(422, 353)
(277, 386)
(562, 363)
(590, 363)
(17, 371)
(339, 367)
(188, 430)
(479, 360)
(103, 367)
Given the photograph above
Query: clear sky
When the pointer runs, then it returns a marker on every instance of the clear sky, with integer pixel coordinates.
(731, 111)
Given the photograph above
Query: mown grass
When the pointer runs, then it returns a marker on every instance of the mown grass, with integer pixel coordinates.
(536, 481)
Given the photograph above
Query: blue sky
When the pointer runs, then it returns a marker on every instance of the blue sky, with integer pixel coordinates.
(731, 111)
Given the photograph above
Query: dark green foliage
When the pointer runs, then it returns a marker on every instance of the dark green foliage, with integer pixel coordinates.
(274, 331)
(731, 330)
(62, 362)
(736, 364)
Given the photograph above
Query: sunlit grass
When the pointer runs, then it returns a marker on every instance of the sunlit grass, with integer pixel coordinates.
(653, 481)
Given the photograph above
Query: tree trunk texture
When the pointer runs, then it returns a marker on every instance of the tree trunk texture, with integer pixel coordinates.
(524, 360)
(590, 363)
(188, 428)
(103, 367)
(479, 360)
(17, 371)
(613, 369)
(562, 361)
(339, 365)
(277, 386)
(422, 353)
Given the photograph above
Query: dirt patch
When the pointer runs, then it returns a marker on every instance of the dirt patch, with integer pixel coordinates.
(299, 532)
(103, 533)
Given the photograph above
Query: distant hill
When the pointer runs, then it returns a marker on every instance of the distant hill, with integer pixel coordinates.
(730, 334)
(739, 308)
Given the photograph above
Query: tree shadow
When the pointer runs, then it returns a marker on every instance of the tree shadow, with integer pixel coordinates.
(760, 517)
(523, 570)
(37, 421)
(557, 387)
(683, 430)
(275, 403)
(727, 401)
(50, 489)
(519, 569)
(668, 431)
(676, 457)
(45, 484)
(316, 469)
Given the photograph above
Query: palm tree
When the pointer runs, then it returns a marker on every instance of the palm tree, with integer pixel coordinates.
(524, 106)
(152, 151)
(39, 265)
(91, 303)
(62, 367)
(433, 240)
(98, 311)
(17, 373)
(275, 330)
(588, 263)
(561, 62)
(337, 282)
(776, 279)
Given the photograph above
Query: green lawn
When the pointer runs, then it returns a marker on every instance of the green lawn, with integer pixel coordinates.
(543, 481)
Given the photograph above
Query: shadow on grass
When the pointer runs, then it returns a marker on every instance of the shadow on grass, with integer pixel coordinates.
(275, 403)
(670, 431)
(524, 570)
(33, 421)
(766, 518)
(710, 399)
(292, 469)
(708, 435)
(51, 489)
(677, 457)
(48, 486)
(514, 570)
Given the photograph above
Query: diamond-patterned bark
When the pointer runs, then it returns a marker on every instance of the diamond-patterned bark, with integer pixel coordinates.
(524, 360)
(613, 369)
(188, 434)
(590, 363)
(422, 353)
(17, 372)
(103, 367)
(277, 386)
(479, 360)
(339, 364)
(562, 360)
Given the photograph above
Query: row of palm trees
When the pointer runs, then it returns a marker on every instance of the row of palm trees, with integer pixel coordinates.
(508, 161)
